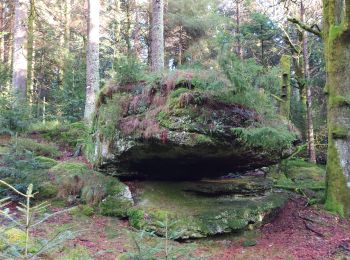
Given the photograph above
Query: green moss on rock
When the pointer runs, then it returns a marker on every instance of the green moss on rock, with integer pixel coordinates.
(193, 216)
(180, 118)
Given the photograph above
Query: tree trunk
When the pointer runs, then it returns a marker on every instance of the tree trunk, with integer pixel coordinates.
(157, 35)
(2, 30)
(310, 125)
(128, 11)
(238, 30)
(337, 50)
(20, 64)
(67, 13)
(136, 34)
(30, 48)
(93, 63)
(180, 47)
(286, 89)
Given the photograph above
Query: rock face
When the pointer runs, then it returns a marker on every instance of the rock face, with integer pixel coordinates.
(177, 129)
(189, 214)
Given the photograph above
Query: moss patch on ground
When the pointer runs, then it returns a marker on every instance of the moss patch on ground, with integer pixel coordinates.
(302, 177)
(39, 149)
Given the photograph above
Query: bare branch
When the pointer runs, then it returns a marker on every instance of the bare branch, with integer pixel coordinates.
(305, 27)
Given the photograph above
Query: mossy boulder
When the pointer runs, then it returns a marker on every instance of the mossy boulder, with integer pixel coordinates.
(187, 214)
(75, 182)
(45, 162)
(178, 127)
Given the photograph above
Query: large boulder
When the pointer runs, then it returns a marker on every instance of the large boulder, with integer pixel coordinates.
(178, 127)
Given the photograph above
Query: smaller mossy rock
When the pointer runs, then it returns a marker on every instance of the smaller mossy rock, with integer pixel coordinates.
(45, 162)
(40, 149)
(115, 206)
(118, 200)
(69, 168)
(47, 190)
(69, 178)
(170, 206)
(76, 182)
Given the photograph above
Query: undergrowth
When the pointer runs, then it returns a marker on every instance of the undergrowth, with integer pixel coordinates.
(16, 237)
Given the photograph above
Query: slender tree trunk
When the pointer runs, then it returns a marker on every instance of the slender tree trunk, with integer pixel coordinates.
(286, 90)
(238, 30)
(8, 38)
(117, 30)
(2, 31)
(180, 46)
(337, 51)
(67, 20)
(30, 48)
(157, 35)
(65, 39)
(20, 64)
(128, 27)
(93, 63)
(310, 125)
(136, 34)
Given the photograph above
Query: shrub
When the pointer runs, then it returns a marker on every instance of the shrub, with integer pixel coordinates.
(127, 70)
(265, 137)
(13, 118)
(16, 238)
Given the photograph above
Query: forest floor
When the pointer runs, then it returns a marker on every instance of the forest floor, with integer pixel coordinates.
(297, 232)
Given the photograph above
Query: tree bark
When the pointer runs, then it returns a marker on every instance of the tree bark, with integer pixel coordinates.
(2, 31)
(238, 30)
(30, 48)
(19, 56)
(286, 89)
(337, 50)
(93, 62)
(310, 125)
(157, 35)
